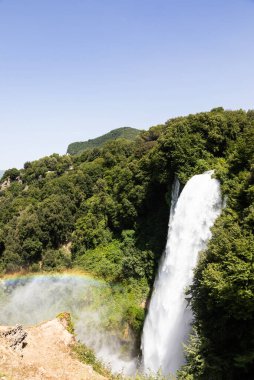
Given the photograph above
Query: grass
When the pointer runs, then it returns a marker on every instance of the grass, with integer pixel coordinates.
(87, 356)
(67, 317)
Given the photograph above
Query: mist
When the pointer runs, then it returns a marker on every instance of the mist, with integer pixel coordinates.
(29, 301)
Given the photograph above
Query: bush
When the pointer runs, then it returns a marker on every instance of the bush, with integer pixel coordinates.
(56, 259)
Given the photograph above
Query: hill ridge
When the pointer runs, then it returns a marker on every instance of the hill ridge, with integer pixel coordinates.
(127, 133)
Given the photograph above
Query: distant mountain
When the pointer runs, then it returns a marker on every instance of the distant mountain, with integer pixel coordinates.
(127, 133)
(1, 173)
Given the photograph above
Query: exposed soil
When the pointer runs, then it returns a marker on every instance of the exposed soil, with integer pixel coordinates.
(41, 352)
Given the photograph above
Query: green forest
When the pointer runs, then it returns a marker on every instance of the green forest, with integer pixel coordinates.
(106, 210)
(127, 133)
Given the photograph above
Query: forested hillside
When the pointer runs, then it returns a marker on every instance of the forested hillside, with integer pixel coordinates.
(127, 133)
(106, 210)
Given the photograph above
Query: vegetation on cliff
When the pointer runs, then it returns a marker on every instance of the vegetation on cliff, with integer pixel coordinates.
(127, 133)
(106, 210)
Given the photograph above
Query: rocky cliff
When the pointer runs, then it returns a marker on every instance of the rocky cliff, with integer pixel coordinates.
(41, 352)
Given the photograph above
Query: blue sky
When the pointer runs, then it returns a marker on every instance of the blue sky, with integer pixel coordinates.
(71, 70)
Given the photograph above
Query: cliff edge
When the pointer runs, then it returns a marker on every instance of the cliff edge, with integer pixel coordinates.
(41, 352)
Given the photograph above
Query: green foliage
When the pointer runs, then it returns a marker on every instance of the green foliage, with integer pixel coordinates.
(136, 263)
(66, 318)
(135, 317)
(195, 364)
(118, 260)
(90, 232)
(223, 289)
(104, 261)
(110, 206)
(152, 376)
(125, 132)
(123, 312)
(87, 356)
(55, 219)
(56, 260)
(11, 173)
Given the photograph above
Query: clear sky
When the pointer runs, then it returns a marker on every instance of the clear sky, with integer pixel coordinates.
(71, 70)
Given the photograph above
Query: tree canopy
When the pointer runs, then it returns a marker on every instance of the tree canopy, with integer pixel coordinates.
(106, 210)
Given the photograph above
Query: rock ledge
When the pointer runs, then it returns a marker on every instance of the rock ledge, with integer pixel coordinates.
(41, 352)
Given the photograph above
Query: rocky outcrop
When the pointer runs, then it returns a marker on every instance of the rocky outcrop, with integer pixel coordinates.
(41, 352)
(6, 184)
(15, 337)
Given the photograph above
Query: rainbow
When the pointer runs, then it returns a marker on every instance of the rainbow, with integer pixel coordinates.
(30, 298)
(20, 277)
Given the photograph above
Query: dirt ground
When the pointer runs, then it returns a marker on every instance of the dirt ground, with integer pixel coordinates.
(42, 352)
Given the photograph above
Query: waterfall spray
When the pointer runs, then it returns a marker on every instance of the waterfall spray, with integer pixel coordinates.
(39, 297)
(168, 322)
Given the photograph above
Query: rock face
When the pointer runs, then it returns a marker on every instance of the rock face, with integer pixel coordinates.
(41, 352)
(15, 336)
(6, 184)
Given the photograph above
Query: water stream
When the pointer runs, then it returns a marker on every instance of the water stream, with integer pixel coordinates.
(168, 322)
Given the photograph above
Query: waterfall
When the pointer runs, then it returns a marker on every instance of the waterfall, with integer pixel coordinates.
(174, 198)
(168, 322)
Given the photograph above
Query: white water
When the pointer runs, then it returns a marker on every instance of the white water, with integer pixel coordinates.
(168, 322)
(174, 198)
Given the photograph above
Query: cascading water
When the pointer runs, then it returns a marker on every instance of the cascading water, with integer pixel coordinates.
(168, 322)
(174, 198)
